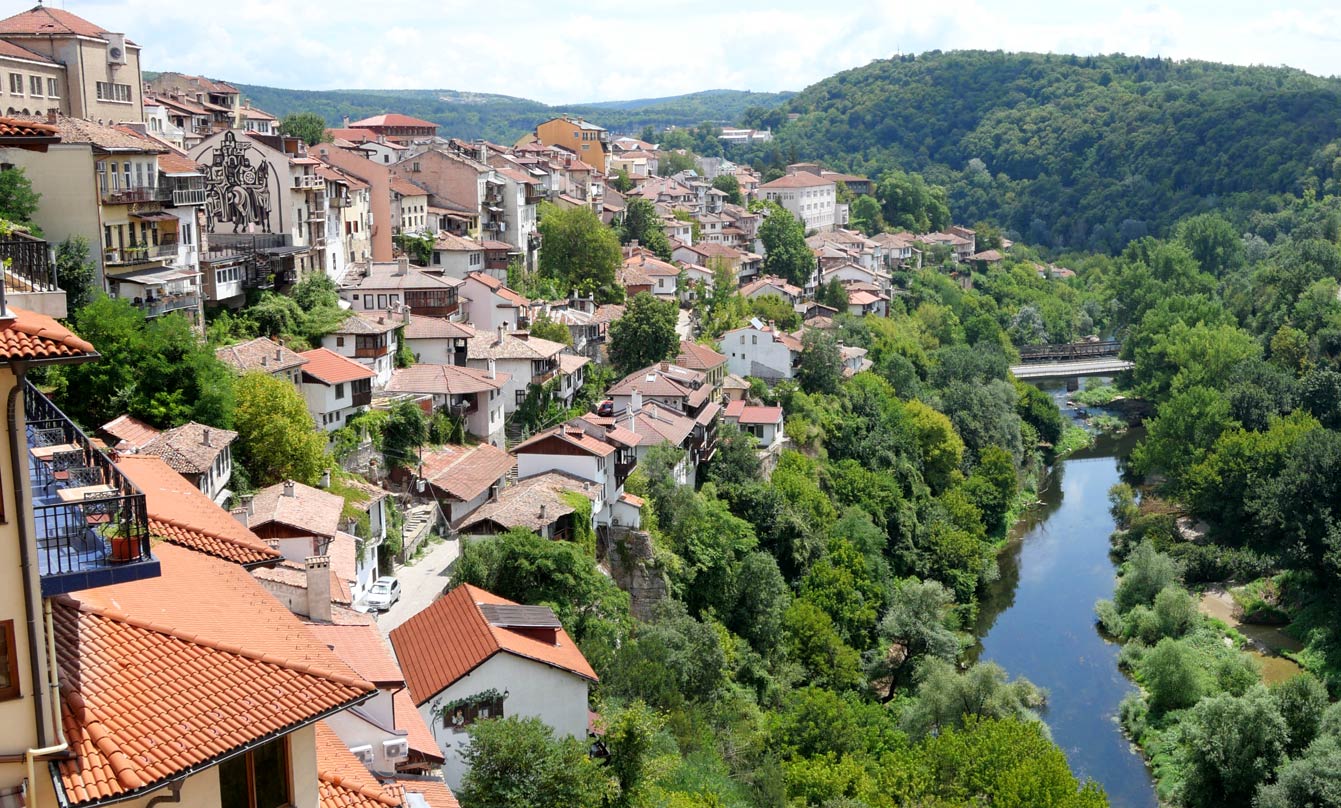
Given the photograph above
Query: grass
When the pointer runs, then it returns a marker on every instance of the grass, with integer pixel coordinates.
(1109, 424)
(1074, 438)
(1096, 396)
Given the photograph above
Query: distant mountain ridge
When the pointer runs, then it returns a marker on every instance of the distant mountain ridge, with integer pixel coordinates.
(504, 118)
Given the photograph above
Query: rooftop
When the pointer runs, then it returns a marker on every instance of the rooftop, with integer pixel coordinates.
(129, 432)
(329, 367)
(698, 357)
(300, 506)
(444, 380)
(262, 354)
(492, 345)
(465, 472)
(190, 448)
(533, 503)
(423, 327)
(33, 337)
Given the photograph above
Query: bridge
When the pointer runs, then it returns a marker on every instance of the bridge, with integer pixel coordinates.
(1070, 361)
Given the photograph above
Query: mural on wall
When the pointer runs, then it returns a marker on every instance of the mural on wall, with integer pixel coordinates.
(242, 188)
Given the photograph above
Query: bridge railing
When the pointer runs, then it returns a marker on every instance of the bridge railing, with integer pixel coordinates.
(1069, 351)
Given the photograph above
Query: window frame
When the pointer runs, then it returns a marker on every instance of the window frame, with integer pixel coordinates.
(249, 759)
(7, 639)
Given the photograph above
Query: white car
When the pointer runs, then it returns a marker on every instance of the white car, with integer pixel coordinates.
(384, 592)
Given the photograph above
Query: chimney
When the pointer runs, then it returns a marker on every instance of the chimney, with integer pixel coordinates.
(278, 355)
(544, 512)
(635, 401)
(205, 436)
(403, 266)
(265, 361)
(240, 514)
(326, 478)
(346, 121)
(319, 588)
(247, 504)
(665, 367)
(502, 331)
(493, 373)
(288, 488)
(52, 115)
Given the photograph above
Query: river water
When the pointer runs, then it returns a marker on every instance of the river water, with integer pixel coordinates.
(1037, 620)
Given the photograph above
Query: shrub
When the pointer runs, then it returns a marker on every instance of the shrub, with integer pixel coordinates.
(1173, 675)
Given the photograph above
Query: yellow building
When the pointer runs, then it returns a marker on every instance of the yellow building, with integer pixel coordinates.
(588, 141)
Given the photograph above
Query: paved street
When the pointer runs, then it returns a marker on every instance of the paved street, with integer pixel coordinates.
(420, 584)
(682, 325)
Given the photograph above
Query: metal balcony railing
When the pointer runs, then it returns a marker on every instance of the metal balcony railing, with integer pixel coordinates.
(126, 196)
(27, 264)
(91, 523)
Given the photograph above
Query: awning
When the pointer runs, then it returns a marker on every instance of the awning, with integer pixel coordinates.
(156, 216)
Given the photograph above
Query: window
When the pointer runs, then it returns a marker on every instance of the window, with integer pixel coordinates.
(339, 342)
(108, 91)
(34, 85)
(257, 779)
(521, 397)
(339, 391)
(9, 662)
(16, 83)
(467, 711)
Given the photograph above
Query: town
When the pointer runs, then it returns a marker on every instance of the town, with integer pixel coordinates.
(358, 463)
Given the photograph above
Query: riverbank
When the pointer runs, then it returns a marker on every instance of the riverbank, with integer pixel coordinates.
(1269, 645)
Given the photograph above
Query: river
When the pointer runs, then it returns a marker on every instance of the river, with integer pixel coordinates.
(1037, 620)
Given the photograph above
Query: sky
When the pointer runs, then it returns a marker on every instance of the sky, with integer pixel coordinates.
(559, 52)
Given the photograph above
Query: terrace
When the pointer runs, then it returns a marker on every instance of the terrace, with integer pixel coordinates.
(91, 525)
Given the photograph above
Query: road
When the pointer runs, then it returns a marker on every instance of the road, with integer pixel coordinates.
(682, 326)
(420, 584)
(1061, 370)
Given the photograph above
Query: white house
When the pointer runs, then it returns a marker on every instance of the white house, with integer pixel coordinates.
(679, 388)
(760, 350)
(643, 424)
(542, 504)
(808, 197)
(526, 360)
(456, 256)
(462, 478)
(772, 285)
(369, 338)
(568, 448)
(378, 286)
(475, 395)
(764, 423)
(202, 454)
(335, 387)
(435, 341)
(489, 303)
(472, 655)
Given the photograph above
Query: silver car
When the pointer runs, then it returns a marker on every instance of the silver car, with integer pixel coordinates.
(384, 592)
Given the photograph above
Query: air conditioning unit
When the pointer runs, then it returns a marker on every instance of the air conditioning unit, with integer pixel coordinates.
(364, 754)
(397, 749)
(116, 49)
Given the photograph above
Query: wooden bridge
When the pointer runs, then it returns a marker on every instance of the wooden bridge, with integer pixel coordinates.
(1070, 361)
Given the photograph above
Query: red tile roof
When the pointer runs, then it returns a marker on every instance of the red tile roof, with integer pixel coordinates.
(15, 51)
(362, 648)
(572, 435)
(452, 637)
(404, 187)
(167, 674)
(425, 327)
(174, 163)
(180, 514)
(342, 780)
(329, 367)
(262, 354)
(45, 20)
(801, 179)
(190, 448)
(466, 472)
(499, 288)
(32, 336)
(698, 357)
(432, 790)
(129, 431)
(308, 509)
(444, 380)
(390, 119)
(748, 414)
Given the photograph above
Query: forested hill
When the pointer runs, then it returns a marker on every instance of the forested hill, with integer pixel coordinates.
(1083, 152)
(503, 118)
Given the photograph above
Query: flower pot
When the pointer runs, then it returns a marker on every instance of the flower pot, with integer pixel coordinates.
(124, 548)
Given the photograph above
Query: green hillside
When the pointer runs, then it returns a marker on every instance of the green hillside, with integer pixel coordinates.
(1084, 152)
(503, 118)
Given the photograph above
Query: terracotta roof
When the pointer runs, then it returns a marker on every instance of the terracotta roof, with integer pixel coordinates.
(390, 119)
(190, 448)
(574, 436)
(650, 425)
(129, 431)
(424, 327)
(406, 717)
(749, 414)
(490, 345)
(308, 509)
(987, 255)
(167, 674)
(329, 367)
(571, 363)
(180, 514)
(444, 380)
(404, 187)
(353, 134)
(452, 637)
(499, 288)
(363, 649)
(607, 313)
(342, 780)
(652, 265)
(432, 790)
(466, 472)
(109, 138)
(862, 297)
(14, 50)
(45, 20)
(801, 179)
(388, 276)
(262, 354)
(765, 282)
(664, 380)
(520, 505)
(454, 243)
(31, 336)
(294, 574)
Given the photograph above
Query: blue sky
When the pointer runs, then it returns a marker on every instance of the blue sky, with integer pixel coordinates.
(559, 52)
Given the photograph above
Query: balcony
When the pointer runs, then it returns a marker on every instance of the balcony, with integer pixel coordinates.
(339, 201)
(159, 306)
(623, 468)
(91, 525)
(188, 196)
(131, 255)
(128, 196)
(371, 351)
(308, 182)
(363, 399)
(163, 251)
(30, 276)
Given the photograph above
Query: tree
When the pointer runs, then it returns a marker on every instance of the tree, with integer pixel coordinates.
(518, 763)
(813, 643)
(629, 735)
(642, 224)
(1213, 241)
(277, 438)
(914, 627)
(1146, 573)
(545, 328)
(908, 203)
(76, 273)
(865, 215)
(843, 584)
(736, 461)
(834, 295)
(1309, 780)
(821, 364)
(1174, 675)
(941, 449)
(18, 201)
(729, 185)
(622, 182)
(1301, 701)
(645, 334)
(1227, 746)
(405, 431)
(671, 660)
(786, 253)
(580, 252)
(949, 699)
(1185, 429)
(308, 127)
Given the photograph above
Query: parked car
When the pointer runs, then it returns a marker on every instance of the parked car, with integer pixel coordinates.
(606, 408)
(383, 594)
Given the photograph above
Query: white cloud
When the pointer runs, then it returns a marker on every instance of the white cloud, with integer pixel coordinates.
(560, 52)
